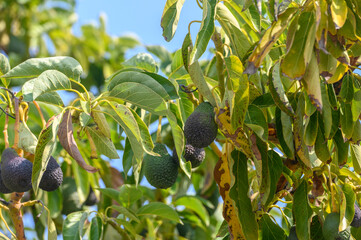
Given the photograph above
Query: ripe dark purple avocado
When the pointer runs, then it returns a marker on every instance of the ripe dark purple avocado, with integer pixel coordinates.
(3, 188)
(356, 222)
(194, 155)
(15, 171)
(200, 128)
(52, 177)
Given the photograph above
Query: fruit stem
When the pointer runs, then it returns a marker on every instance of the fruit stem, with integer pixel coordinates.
(16, 215)
(5, 131)
(17, 123)
(159, 130)
(216, 149)
(40, 113)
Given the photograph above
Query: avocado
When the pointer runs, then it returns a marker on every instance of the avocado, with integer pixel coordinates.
(52, 177)
(3, 188)
(15, 171)
(200, 128)
(356, 222)
(194, 155)
(162, 171)
(71, 201)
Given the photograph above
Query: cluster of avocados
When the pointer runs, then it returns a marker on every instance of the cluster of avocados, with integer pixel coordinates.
(15, 173)
(200, 131)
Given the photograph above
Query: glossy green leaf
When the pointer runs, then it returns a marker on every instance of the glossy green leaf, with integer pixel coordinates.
(52, 233)
(128, 194)
(311, 129)
(341, 148)
(205, 32)
(347, 91)
(330, 225)
(55, 202)
(44, 150)
(326, 112)
(168, 85)
(73, 225)
(51, 98)
(321, 147)
(33, 67)
(284, 133)
(275, 166)
(356, 105)
(356, 157)
(270, 230)
(239, 194)
(302, 211)
(195, 205)
(126, 212)
(347, 124)
(159, 209)
(96, 228)
(170, 18)
(48, 81)
(350, 203)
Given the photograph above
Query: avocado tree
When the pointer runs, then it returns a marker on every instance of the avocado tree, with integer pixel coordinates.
(271, 123)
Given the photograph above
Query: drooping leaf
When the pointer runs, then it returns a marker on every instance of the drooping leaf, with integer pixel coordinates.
(33, 67)
(283, 130)
(270, 230)
(256, 121)
(126, 212)
(195, 205)
(313, 86)
(299, 55)
(27, 140)
(341, 148)
(100, 120)
(239, 194)
(66, 139)
(170, 18)
(96, 228)
(268, 40)
(347, 91)
(356, 157)
(52, 234)
(302, 211)
(339, 12)
(311, 129)
(275, 166)
(44, 149)
(205, 32)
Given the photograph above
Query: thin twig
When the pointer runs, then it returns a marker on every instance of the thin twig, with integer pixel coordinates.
(17, 123)
(7, 113)
(11, 92)
(5, 131)
(6, 225)
(40, 113)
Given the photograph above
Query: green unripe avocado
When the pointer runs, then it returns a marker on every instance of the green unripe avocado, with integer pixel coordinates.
(71, 202)
(162, 171)
(15, 171)
(200, 128)
(52, 177)
(3, 188)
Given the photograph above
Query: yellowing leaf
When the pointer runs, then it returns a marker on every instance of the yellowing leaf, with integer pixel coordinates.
(312, 79)
(222, 176)
(339, 12)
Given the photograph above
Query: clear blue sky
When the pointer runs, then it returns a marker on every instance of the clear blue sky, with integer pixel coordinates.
(141, 17)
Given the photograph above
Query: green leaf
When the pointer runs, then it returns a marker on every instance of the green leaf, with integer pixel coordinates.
(4, 64)
(27, 140)
(161, 210)
(128, 194)
(277, 90)
(275, 166)
(51, 98)
(330, 225)
(256, 121)
(44, 149)
(33, 67)
(48, 81)
(350, 203)
(311, 129)
(126, 212)
(239, 194)
(237, 35)
(321, 147)
(170, 18)
(195, 205)
(110, 192)
(82, 182)
(356, 157)
(341, 148)
(347, 123)
(166, 84)
(103, 144)
(96, 228)
(73, 225)
(356, 105)
(339, 12)
(301, 211)
(205, 32)
(134, 93)
(270, 230)
(347, 91)
(177, 61)
(299, 55)
(52, 233)
(284, 133)
(55, 202)
(143, 61)
(326, 111)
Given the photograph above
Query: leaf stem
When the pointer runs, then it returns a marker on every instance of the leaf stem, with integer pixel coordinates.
(216, 149)
(40, 113)
(6, 224)
(82, 86)
(159, 130)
